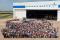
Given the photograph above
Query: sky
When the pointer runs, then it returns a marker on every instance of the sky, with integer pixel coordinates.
(6, 5)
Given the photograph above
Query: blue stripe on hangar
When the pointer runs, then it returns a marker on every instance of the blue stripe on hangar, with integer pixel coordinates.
(18, 6)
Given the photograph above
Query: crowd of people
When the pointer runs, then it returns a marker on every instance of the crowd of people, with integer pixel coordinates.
(29, 28)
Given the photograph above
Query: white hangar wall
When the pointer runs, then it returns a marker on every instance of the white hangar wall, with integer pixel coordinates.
(19, 13)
